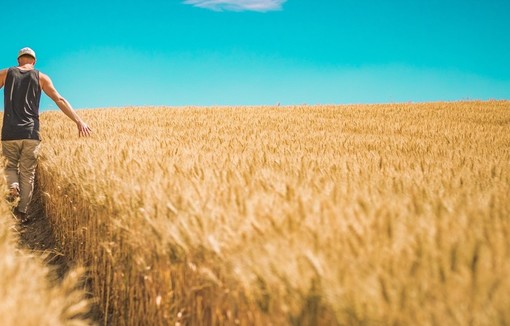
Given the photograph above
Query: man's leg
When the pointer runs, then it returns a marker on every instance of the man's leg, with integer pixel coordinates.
(27, 165)
(11, 150)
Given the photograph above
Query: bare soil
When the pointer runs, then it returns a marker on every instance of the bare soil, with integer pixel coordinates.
(37, 236)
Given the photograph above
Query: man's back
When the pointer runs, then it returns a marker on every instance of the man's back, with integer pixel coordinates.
(22, 94)
(20, 130)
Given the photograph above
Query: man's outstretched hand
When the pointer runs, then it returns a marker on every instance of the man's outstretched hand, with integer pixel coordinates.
(83, 129)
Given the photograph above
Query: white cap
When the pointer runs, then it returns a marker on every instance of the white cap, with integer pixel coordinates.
(28, 51)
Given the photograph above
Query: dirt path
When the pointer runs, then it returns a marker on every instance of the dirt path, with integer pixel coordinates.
(37, 236)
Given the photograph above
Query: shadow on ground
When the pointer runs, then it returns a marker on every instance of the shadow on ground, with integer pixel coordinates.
(37, 236)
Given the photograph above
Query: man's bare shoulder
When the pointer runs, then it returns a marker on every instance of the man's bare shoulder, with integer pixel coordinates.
(3, 76)
(44, 79)
(43, 76)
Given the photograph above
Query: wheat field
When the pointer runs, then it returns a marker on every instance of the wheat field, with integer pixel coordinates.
(30, 294)
(394, 214)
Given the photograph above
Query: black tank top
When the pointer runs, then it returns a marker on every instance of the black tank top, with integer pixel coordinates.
(22, 94)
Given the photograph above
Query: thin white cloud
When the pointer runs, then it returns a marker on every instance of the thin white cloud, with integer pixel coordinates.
(238, 5)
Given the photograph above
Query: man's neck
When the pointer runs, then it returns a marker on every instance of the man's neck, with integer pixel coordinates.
(26, 66)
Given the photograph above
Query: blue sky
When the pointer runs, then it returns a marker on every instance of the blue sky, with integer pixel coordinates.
(263, 52)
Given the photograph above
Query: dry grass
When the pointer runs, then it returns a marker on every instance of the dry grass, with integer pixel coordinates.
(29, 292)
(363, 214)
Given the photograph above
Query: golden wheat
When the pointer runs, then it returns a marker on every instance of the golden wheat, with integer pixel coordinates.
(29, 294)
(360, 214)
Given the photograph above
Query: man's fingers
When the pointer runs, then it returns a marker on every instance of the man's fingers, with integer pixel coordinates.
(84, 131)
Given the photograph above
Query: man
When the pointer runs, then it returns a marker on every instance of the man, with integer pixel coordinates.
(20, 129)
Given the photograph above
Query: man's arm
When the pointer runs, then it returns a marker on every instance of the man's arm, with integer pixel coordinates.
(3, 75)
(63, 105)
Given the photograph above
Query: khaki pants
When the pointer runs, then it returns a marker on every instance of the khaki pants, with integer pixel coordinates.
(21, 158)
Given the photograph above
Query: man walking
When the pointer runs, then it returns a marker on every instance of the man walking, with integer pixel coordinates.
(20, 129)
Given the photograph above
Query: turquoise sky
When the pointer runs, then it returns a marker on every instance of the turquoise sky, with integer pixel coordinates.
(258, 52)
